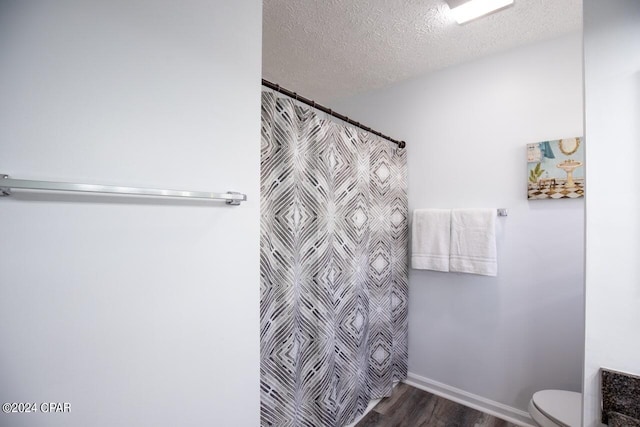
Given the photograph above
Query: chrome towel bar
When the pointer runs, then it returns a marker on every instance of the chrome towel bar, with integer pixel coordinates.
(7, 184)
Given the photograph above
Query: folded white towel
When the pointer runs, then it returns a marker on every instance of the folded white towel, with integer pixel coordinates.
(473, 241)
(431, 235)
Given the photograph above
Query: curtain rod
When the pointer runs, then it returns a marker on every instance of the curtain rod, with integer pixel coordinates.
(290, 94)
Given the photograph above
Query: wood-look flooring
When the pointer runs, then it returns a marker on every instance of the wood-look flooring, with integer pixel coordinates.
(412, 407)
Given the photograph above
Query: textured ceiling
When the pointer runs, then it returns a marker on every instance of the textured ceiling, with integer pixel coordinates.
(329, 49)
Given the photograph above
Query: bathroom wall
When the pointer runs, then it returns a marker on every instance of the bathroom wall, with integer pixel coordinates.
(612, 108)
(493, 341)
(136, 312)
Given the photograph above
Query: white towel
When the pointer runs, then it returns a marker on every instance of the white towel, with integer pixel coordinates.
(473, 241)
(431, 235)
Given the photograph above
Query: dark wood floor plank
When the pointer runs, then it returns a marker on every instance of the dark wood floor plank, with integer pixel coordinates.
(408, 411)
(372, 419)
(445, 414)
(427, 409)
(386, 404)
(412, 407)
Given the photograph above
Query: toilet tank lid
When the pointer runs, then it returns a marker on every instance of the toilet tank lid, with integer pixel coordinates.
(564, 407)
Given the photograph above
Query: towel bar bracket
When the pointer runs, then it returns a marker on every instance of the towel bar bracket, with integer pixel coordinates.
(234, 202)
(3, 190)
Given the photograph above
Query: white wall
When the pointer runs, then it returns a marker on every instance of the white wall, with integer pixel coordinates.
(137, 312)
(612, 107)
(466, 128)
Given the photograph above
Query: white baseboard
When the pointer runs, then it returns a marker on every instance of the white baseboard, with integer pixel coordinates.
(497, 409)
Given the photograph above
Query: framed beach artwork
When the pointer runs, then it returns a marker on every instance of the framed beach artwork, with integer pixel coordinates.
(555, 169)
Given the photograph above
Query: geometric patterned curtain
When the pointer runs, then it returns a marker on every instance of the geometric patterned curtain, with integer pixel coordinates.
(333, 309)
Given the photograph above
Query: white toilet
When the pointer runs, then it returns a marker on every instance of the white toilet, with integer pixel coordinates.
(553, 408)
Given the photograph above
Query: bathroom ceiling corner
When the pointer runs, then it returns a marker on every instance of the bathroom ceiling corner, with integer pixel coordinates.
(331, 49)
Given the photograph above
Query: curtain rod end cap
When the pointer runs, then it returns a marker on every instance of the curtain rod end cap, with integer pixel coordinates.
(402, 144)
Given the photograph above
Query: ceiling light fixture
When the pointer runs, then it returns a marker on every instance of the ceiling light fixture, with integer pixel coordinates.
(466, 10)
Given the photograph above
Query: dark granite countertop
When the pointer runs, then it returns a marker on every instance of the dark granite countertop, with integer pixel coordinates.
(619, 420)
(620, 399)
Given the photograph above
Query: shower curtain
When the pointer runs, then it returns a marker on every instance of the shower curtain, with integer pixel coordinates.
(333, 310)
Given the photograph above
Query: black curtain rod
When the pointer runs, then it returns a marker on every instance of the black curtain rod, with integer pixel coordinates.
(287, 92)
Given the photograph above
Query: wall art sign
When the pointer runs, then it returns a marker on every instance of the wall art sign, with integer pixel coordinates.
(555, 169)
